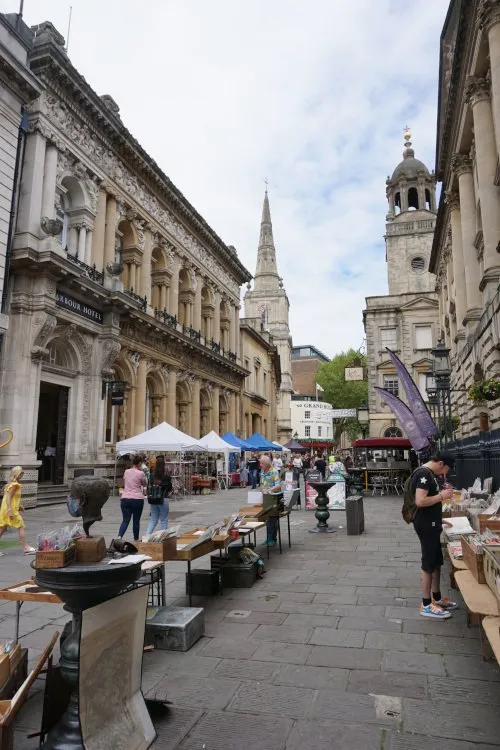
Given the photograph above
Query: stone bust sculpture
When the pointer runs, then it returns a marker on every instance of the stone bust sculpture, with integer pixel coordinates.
(92, 493)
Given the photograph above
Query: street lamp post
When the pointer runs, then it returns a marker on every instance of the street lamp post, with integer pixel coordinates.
(441, 371)
(363, 416)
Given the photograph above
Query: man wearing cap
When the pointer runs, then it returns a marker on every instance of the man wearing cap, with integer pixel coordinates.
(428, 524)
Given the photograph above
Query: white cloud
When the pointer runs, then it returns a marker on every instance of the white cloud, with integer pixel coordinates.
(312, 95)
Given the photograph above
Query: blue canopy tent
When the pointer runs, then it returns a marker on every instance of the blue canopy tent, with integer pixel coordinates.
(258, 442)
(237, 442)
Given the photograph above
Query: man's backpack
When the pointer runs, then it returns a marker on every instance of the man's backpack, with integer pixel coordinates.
(409, 509)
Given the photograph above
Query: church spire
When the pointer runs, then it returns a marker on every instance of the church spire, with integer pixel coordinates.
(266, 274)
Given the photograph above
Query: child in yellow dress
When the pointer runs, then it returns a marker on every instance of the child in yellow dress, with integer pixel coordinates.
(11, 509)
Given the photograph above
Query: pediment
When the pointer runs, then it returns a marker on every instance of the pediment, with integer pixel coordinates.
(420, 303)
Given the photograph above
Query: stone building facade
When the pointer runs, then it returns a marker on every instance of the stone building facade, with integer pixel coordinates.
(260, 357)
(268, 303)
(115, 279)
(405, 320)
(465, 254)
(18, 86)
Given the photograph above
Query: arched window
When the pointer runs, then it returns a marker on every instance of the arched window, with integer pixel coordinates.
(393, 432)
(428, 199)
(413, 199)
(397, 203)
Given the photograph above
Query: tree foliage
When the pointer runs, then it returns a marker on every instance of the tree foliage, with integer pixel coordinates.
(342, 394)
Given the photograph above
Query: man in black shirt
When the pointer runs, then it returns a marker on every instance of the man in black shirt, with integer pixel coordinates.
(253, 469)
(428, 523)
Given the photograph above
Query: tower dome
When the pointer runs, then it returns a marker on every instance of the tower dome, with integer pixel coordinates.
(412, 186)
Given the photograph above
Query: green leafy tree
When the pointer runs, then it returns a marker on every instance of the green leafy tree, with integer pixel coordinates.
(342, 394)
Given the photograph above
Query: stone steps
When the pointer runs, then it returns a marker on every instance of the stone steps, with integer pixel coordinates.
(52, 494)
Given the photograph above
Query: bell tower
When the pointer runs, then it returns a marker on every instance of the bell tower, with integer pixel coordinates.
(411, 218)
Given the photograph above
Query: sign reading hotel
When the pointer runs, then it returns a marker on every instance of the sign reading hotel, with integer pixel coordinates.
(80, 308)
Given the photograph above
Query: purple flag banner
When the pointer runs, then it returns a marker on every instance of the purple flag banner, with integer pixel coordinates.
(405, 418)
(416, 403)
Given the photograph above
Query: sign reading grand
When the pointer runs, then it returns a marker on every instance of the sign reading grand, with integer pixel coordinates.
(80, 308)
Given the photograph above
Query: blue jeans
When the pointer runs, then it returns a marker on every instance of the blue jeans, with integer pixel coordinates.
(272, 530)
(254, 478)
(131, 509)
(158, 512)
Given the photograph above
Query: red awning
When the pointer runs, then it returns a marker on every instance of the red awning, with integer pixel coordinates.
(382, 443)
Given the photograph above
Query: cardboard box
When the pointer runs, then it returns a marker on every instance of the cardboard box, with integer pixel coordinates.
(58, 558)
(159, 551)
(90, 549)
(473, 560)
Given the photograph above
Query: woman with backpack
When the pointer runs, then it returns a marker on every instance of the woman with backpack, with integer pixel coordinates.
(160, 487)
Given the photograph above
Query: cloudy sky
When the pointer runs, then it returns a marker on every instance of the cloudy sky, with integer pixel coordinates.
(312, 95)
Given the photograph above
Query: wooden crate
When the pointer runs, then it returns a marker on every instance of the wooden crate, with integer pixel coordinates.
(491, 563)
(159, 551)
(473, 560)
(192, 554)
(4, 669)
(486, 522)
(58, 558)
(90, 549)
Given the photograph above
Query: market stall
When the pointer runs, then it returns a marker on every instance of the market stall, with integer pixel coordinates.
(213, 443)
(383, 463)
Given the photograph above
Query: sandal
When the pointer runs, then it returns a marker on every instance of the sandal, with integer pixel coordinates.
(30, 551)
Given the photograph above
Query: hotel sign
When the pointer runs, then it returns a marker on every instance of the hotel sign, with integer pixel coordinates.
(80, 308)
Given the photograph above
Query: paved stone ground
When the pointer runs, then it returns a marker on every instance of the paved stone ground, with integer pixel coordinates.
(327, 652)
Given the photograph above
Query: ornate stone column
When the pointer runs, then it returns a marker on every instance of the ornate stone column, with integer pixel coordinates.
(215, 408)
(110, 231)
(30, 198)
(174, 288)
(489, 21)
(450, 300)
(140, 397)
(403, 195)
(463, 169)
(195, 409)
(172, 396)
(145, 287)
(88, 247)
(197, 304)
(82, 239)
(99, 230)
(478, 96)
(457, 257)
(49, 181)
(236, 349)
(163, 297)
(232, 412)
(216, 323)
(73, 240)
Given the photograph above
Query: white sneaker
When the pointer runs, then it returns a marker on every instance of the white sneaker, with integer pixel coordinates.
(434, 612)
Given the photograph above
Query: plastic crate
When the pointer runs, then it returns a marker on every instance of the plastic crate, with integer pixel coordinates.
(204, 582)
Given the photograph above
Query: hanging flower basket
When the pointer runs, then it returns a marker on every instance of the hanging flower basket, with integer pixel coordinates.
(486, 390)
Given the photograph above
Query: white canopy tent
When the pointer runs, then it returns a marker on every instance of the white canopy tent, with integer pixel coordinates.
(213, 443)
(163, 437)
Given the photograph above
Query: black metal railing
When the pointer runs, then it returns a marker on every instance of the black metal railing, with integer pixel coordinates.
(90, 272)
(192, 333)
(165, 317)
(142, 301)
(231, 355)
(215, 347)
(476, 456)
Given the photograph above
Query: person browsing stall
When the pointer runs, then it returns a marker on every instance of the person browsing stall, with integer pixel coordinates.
(132, 501)
(428, 524)
(270, 482)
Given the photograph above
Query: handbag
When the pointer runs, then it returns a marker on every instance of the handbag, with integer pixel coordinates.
(155, 494)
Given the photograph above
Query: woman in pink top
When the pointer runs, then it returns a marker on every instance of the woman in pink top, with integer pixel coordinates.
(132, 502)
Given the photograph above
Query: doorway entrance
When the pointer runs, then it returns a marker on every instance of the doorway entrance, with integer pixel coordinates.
(51, 432)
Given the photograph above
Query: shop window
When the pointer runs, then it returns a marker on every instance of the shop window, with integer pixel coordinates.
(307, 415)
(423, 337)
(307, 430)
(391, 384)
(319, 431)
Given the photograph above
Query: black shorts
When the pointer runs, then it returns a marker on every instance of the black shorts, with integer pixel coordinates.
(430, 543)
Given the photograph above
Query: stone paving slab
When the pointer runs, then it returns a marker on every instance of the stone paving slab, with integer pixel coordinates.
(331, 735)
(173, 724)
(316, 678)
(247, 669)
(199, 692)
(461, 691)
(459, 721)
(278, 700)
(365, 709)
(388, 683)
(404, 661)
(362, 623)
(420, 742)
(345, 658)
(343, 638)
(395, 641)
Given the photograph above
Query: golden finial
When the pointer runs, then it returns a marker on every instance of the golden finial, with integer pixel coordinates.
(407, 133)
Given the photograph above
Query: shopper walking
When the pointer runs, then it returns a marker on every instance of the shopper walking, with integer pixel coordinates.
(159, 488)
(11, 509)
(132, 502)
(297, 467)
(428, 524)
